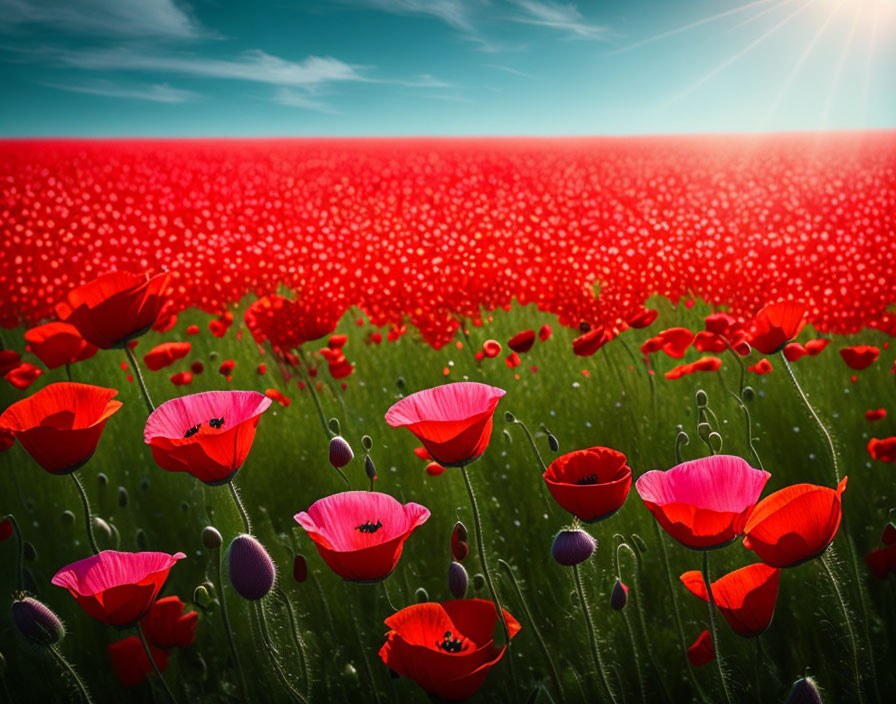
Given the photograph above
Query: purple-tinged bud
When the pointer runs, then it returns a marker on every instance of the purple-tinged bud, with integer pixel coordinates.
(369, 467)
(459, 548)
(250, 567)
(619, 596)
(804, 691)
(299, 569)
(572, 547)
(211, 537)
(37, 622)
(340, 452)
(457, 580)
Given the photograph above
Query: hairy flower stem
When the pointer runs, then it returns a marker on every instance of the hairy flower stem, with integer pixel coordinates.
(296, 637)
(539, 459)
(155, 667)
(272, 654)
(555, 675)
(88, 516)
(229, 630)
(137, 373)
(749, 425)
(20, 553)
(67, 667)
(240, 507)
(826, 563)
(592, 635)
(712, 626)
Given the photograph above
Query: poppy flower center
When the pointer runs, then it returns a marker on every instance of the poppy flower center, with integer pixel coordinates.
(369, 527)
(216, 423)
(590, 479)
(450, 644)
(192, 431)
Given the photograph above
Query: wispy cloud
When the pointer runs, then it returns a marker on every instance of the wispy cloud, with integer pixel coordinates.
(566, 18)
(155, 92)
(509, 69)
(116, 18)
(457, 13)
(424, 80)
(296, 99)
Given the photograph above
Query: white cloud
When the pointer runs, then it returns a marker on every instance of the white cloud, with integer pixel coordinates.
(562, 17)
(296, 99)
(140, 18)
(156, 92)
(457, 13)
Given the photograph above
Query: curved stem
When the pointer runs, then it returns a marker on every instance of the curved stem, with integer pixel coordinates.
(818, 423)
(20, 553)
(155, 667)
(310, 381)
(136, 367)
(680, 439)
(87, 515)
(272, 654)
(227, 628)
(555, 675)
(386, 593)
(239, 506)
(592, 635)
(538, 456)
(749, 428)
(297, 639)
(622, 545)
(825, 561)
(712, 625)
(67, 667)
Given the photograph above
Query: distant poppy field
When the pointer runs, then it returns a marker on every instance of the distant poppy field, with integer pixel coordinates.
(519, 420)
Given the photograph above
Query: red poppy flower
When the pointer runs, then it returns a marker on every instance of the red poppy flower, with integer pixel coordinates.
(882, 561)
(763, 366)
(7, 439)
(522, 342)
(60, 425)
(166, 354)
(675, 341)
(703, 503)
(701, 650)
(794, 351)
(193, 330)
(776, 325)
(290, 324)
(642, 318)
(883, 449)
(23, 375)
(453, 421)
(591, 484)
(589, 343)
(720, 324)
(447, 648)
(182, 378)
(9, 360)
(651, 345)
(57, 344)
(434, 469)
(815, 347)
(275, 395)
(208, 434)
(746, 597)
(860, 356)
(544, 333)
(130, 663)
(360, 534)
(115, 308)
(704, 364)
(709, 342)
(491, 348)
(875, 414)
(6, 529)
(795, 524)
(167, 626)
(114, 587)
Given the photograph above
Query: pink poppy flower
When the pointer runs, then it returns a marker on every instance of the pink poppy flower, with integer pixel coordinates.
(360, 534)
(454, 421)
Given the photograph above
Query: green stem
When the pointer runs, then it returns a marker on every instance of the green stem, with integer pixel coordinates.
(622, 545)
(68, 370)
(229, 630)
(155, 667)
(240, 507)
(847, 620)
(680, 439)
(592, 635)
(88, 517)
(67, 667)
(712, 626)
(818, 423)
(20, 553)
(272, 654)
(538, 456)
(749, 429)
(136, 367)
(297, 639)
(757, 658)
(310, 381)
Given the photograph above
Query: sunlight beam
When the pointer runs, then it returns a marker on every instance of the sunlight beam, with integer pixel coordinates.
(838, 71)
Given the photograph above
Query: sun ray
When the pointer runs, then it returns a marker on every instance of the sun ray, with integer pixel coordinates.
(869, 68)
(749, 20)
(838, 71)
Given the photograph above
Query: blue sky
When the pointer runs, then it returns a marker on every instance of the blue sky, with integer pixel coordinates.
(444, 67)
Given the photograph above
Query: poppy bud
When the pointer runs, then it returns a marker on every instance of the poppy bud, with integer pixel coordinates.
(422, 595)
(142, 540)
(457, 580)
(101, 527)
(250, 567)
(68, 517)
(639, 543)
(553, 443)
(701, 398)
(572, 547)
(102, 479)
(369, 467)
(459, 546)
(715, 442)
(509, 417)
(334, 425)
(201, 597)
(478, 581)
(619, 596)
(299, 569)
(122, 496)
(748, 393)
(211, 537)
(460, 550)
(340, 452)
(804, 691)
(703, 430)
(37, 622)
(367, 442)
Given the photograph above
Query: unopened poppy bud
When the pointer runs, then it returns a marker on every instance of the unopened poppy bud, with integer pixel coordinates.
(478, 581)
(142, 539)
(509, 417)
(37, 622)
(639, 543)
(101, 527)
(369, 467)
(804, 691)
(703, 430)
(421, 595)
(457, 580)
(68, 517)
(250, 567)
(122, 496)
(701, 398)
(748, 393)
(211, 537)
(572, 547)
(334, 425)
(619, 596)
(201, 597)
(553, 443)
(459, 546)
(102, 479)
(715, 442)
(367, 442)
(340, 452)
(399, 382)
(299, 569)
(460, 550)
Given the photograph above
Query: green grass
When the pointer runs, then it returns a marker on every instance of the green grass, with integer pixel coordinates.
(343, 623)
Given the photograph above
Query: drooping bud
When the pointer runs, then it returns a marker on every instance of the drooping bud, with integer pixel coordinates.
(299, 568)
(478, 581)
(211, 537)
(102, 479)
(639, 543)
(122, 496)
(619, 596)
(369, 467)
(459, 548)
(715, 442)
(703, 430)
(101, 530)
(572, 547)
(457, 580)
(422, 595)
(68, 516)
(334, 426)
(701, 398)
(367, 442)
(748, 393)
(250, 567)
(804, 691)
(553, 443)
(201, 597)
(509, 417)
(37, 622)
(340, 452)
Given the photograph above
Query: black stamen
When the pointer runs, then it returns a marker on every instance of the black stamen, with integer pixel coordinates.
(369, 527)
(452, 645)
(192, 431)
(216, 423)
(590, 479)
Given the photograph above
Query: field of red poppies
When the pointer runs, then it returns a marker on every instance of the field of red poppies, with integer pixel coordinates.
(323, 420)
